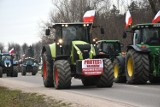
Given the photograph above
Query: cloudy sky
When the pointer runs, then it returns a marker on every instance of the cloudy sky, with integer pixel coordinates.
(19, 20)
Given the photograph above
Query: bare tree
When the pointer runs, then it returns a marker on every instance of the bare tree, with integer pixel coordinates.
(153, 6)
(1, 47)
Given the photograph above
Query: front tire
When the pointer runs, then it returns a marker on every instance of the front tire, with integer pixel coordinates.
(119, 73)
(137, 67)
(62, 74)
(35, 69)
(106, 79)
(47, 66)
(23, 71)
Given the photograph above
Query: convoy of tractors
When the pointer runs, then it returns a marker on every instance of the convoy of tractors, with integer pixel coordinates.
(96, 63)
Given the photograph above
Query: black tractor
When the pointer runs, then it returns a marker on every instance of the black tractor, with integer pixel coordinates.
(8, 65)
(29, 65)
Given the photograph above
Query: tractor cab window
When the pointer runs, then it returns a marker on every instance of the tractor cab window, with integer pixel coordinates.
(149, 36)
(111, 48)
(29, 62)
(6, 57)
(71, 33)
(137, 37)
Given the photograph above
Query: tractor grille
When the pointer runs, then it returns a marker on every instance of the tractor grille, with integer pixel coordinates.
(85, 49)
(29, 68)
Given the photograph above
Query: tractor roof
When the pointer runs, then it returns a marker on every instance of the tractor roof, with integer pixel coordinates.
(145, 25)
(63, 24)
(108, 41)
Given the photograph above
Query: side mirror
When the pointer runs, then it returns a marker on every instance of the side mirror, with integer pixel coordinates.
(124, 35)
(102, 30)
(47, 32)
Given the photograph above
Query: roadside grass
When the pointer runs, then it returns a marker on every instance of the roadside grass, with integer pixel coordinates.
(16, 98)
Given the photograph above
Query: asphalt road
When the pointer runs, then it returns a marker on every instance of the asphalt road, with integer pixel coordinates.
(138, 95)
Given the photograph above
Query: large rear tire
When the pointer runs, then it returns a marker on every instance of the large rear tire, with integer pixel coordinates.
(62, 74)
(137, 67)
(1, 72)
(119, 72)
(106, 79)
(47, 68)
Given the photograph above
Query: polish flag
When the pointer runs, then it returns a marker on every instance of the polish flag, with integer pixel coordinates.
(89, 16)
(11, 51)
(156, 18)
(128, 19)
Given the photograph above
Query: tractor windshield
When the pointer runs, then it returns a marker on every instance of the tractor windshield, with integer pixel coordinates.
(6, 57)
(72, 33)
(149, 36)
(29, 62)
(111, 47)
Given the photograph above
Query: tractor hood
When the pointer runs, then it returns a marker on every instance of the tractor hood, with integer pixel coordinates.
(81, 50)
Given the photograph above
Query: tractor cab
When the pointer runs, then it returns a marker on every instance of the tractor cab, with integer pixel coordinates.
(71, 40)
(146, 34)
(109, 48)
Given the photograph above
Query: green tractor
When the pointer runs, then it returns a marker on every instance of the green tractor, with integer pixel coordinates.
(73, 55)
(142, 61)
(109, 48)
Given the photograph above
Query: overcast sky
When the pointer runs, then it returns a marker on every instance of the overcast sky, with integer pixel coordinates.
(19, 20)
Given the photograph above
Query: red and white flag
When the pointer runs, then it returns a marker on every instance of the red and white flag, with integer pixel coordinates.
(89, 16)
(156, 18)
(11, 51)
(128, 19)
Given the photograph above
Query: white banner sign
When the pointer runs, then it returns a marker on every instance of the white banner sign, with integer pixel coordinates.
(92, 67)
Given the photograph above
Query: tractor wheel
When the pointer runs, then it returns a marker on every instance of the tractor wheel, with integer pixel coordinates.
(118, 67)
(1, 72)
(47, 69)
(23, 71)
(14, 72)
(62, 74)
(106, 79)
(34, 70)
(137, 67)
(88, 81)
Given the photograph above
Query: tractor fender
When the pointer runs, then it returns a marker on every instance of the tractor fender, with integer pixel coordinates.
(138, 49)
(51, 50)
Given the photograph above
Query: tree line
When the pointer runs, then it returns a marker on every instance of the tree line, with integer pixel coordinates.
(109, 15)
(25, 50)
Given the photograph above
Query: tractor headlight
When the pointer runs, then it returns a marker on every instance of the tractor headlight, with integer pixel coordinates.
(60, 41)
